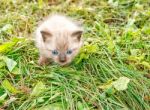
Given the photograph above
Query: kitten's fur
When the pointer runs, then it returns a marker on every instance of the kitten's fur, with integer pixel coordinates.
(59, 33)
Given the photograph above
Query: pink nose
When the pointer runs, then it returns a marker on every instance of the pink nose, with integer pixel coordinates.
(62, 58)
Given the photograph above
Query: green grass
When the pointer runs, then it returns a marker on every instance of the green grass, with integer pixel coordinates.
(117, 44)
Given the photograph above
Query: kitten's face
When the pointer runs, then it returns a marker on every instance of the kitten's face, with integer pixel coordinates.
(62, 47)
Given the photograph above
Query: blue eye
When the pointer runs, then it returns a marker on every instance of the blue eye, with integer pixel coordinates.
(69, 52)
(55, 52)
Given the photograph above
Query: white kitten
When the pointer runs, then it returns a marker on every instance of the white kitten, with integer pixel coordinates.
(58, 38)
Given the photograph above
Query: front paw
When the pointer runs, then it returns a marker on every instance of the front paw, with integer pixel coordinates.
(43, 61)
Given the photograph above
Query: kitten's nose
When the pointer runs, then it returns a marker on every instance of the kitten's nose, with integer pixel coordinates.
(62, 58)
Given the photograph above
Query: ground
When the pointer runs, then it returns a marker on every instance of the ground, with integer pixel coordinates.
(111, 72)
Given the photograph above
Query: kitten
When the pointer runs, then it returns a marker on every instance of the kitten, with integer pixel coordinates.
(58, 38)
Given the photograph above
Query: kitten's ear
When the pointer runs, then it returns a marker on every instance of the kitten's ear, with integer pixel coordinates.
(77, 34)
(46, 35)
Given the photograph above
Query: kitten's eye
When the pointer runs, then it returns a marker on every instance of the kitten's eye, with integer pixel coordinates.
(69, 52)
(55, 52)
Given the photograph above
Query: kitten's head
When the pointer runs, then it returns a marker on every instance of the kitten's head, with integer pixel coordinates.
(62, 46)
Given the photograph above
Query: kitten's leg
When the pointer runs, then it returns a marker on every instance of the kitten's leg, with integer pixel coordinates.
(43, 61)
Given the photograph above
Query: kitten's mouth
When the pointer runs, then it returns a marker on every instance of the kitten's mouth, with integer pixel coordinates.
(63, 63)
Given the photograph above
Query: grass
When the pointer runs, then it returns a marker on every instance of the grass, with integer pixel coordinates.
(117, 44)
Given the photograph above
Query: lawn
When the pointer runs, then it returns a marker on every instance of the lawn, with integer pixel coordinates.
(111, 72)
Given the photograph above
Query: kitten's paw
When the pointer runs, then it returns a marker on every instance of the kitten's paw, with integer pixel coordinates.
(43, 61)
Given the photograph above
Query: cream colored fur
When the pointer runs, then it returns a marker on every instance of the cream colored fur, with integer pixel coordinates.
(61, 28)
